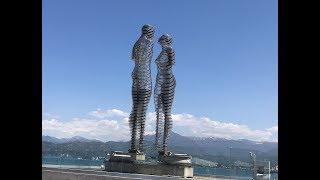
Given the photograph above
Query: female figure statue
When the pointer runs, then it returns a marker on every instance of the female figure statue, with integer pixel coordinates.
(141, 86)
(164, 93)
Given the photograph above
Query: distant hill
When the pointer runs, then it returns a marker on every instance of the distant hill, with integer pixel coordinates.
(50, 139)
(212, 149)
(64, 140)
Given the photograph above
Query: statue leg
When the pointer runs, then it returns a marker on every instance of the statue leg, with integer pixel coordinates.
(145, 98)
(167, 104)
(159, 120)
(133, 120)
(167, 100)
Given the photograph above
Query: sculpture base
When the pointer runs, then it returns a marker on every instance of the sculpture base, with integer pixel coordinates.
(149, 168)
(119, 156)
(138, 156)
(175, 159)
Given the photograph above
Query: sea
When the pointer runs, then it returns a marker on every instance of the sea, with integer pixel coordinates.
(197, 170)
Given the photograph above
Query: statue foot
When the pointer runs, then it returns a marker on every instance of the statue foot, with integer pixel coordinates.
(135, 151)
(177, 159)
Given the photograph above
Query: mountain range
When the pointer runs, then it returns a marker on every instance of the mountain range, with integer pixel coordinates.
(218, 150)
(64, 140)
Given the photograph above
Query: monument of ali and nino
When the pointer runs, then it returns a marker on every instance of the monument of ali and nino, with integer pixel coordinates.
(134, 160)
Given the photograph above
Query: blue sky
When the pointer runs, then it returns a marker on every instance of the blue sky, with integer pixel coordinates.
(226, 58)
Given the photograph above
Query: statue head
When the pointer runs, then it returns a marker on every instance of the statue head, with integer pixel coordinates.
(148, 31)
(165, 40)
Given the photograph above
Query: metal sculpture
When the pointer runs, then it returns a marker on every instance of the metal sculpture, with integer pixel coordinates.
(164, 93)
(141, 86)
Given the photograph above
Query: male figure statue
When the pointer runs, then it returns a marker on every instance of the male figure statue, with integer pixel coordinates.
(141, 87)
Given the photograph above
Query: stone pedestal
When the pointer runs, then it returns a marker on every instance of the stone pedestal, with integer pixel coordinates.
(176, 159)
(172, 165)
(119, 156)
(152, 169)
(138, 156)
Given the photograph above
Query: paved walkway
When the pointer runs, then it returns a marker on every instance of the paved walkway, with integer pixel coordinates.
(117, 175)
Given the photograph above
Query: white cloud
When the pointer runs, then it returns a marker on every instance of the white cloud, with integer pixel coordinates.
(101, 129)
(189, 125)
(108, 113)
(113, 125)
(273, 129)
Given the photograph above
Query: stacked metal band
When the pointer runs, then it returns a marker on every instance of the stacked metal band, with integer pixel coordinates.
(141, 86)
(164, 92)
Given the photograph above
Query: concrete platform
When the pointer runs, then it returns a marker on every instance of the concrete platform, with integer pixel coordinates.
(176, 159)
(119, 156)
(150, 168)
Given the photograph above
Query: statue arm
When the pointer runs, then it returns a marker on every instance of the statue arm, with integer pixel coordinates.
(171, 55)
(136, 49)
